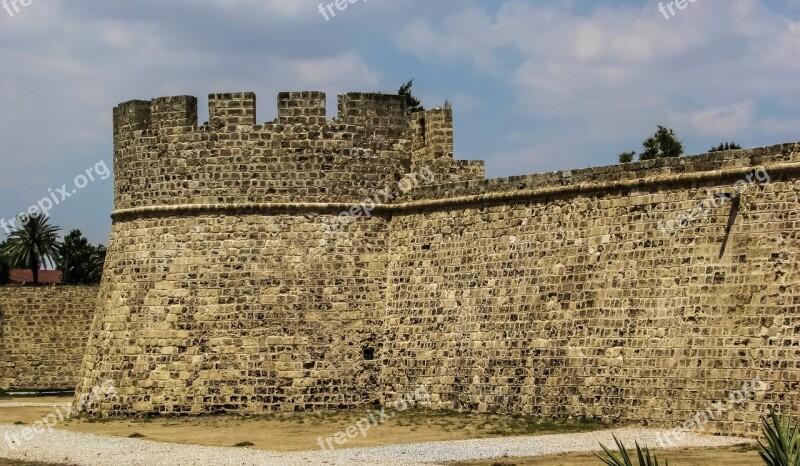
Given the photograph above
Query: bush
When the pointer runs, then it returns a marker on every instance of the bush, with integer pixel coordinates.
(644, 457)
(783, 441)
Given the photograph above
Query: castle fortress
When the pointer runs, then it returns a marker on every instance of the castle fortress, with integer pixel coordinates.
(553, 295)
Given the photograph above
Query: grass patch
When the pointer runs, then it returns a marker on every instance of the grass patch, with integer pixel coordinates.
(244, 444)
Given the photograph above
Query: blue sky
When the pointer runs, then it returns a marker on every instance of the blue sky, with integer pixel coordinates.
(535, 85)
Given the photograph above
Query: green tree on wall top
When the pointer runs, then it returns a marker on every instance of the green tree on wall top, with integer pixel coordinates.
(33, 244)
(663, 144)
(626, 157)
(412, 103)
(80, 262)
(725, 146)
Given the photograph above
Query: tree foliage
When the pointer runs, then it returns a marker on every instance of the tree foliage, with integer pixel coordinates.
(660, 145)
(725, 146)
(412, 103)
(80, 262)
(33, 244)
(663, 144)
(626, 157)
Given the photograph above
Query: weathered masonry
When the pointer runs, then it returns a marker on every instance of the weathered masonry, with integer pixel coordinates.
(43, 334)
(552, 294)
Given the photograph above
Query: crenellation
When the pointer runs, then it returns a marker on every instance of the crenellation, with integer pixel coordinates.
(232, 111)
(130, 117)
(304, 108)
(432, 147)
(433, 134)
(233, 160)
(172, 114)
(374, 111)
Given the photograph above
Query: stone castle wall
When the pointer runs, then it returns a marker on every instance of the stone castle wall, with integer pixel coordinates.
(162, 157)
(43, 334)
(558, 295)
(223, 289)
(238, 313)
(552, 294)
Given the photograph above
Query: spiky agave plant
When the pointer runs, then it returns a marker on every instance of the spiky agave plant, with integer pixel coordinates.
(783, 441)
(643, 455)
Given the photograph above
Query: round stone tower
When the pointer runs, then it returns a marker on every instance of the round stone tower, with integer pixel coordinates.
(246, 270)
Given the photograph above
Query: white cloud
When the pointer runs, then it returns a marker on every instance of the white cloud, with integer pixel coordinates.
(718, 121)
(782, 127)
(618, 70)
(337, 72)
(66, 65)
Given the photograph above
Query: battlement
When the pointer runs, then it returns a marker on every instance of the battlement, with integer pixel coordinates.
(302, 108)
(236, 111)
(232, 111)
(163, 157)
(433, 134)
(378, 110)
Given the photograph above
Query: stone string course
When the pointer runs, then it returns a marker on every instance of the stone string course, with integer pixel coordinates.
(43, 334)
(553, 294)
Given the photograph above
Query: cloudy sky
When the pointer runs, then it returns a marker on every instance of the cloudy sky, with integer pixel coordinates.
(536, 85)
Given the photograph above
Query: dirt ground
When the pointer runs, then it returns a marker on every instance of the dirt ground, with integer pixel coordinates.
(739, 456)
(300, 431)
(5, 462)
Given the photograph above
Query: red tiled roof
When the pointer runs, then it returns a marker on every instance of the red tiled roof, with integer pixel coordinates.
(25, 276)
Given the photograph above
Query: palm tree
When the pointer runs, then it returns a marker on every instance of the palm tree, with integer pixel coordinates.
(34, 244)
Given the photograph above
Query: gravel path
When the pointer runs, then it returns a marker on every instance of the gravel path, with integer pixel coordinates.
(86, 449)
(24, 404)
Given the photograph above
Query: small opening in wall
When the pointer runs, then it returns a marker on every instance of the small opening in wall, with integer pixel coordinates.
(426, 247)
(369, 354)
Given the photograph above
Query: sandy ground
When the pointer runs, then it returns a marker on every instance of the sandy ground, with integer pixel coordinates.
(745, 455)
(409, 438)
(293, 431)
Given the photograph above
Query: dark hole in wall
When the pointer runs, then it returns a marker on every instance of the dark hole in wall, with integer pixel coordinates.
(369, 354)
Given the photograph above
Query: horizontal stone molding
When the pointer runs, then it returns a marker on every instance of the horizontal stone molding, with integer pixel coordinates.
(492, 197)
